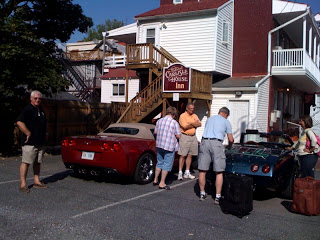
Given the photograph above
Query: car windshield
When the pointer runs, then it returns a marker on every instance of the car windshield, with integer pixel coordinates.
(122, 130)
(263, 138)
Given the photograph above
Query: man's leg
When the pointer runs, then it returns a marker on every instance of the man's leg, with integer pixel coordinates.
(202, 180)
(219, 182)
(23, 174)
(181, 163)
(187, 173)
(163, 178)
(188, 162)
(36, 172)
(157, 173)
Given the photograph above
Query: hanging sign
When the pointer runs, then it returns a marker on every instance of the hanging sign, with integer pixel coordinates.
(176, 78)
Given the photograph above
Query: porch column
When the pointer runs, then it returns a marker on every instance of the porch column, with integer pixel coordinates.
(315, 49)
(310, 41)
(209, 108)
(164, 107)
(304, 40)
(318, 56)
(127, 86)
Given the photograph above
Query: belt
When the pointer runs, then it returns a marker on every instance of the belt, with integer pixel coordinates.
(212, 139)
(187, 134)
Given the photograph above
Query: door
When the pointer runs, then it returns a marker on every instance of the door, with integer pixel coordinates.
(239, 117)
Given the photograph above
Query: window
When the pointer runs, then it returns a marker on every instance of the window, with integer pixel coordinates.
(177, 1)
(122, 130)
(118, 89)
(151, 35)
(225, 32)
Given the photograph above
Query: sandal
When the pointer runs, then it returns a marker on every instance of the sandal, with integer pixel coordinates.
(165, 187)
(41, 185)
(24, 189)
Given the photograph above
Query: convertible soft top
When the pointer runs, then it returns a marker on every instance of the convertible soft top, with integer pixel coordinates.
(136, 130)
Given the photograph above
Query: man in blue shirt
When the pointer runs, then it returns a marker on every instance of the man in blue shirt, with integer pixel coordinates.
(211, 149)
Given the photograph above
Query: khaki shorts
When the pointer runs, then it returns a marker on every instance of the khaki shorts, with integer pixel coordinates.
(188, 145)
(32, 154)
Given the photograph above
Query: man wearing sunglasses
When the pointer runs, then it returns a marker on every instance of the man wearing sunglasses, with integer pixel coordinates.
(33, 123)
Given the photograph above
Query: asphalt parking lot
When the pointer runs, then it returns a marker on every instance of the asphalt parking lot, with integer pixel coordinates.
(77, 208)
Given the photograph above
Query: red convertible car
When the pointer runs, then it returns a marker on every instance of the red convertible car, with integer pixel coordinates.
(128, 149)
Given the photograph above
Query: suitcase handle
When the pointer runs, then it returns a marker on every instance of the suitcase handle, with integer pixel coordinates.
(309, 178)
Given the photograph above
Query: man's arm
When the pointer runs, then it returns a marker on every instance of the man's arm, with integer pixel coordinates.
(23, 128)
(230, 139)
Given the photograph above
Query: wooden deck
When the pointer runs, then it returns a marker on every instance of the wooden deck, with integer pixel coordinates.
(142, 57)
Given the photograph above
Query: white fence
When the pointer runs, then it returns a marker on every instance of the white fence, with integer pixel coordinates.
(115, 61)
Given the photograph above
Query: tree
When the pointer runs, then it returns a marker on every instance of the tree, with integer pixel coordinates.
(28, 31)
(96, 32)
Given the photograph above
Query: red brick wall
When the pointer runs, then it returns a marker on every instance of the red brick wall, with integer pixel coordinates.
(252, 22)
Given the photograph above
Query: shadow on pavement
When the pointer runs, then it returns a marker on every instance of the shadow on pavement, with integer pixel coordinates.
(287, 205)
(57, 177)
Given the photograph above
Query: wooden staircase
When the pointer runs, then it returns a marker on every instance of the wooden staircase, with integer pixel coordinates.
(150, 98)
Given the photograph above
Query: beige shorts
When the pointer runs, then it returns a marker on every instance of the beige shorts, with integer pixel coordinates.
(32, 154)
(188, 145)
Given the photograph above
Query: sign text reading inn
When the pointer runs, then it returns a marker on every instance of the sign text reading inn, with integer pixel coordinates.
(176, 78)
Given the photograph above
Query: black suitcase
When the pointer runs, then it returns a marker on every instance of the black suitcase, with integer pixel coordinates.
(237, 195)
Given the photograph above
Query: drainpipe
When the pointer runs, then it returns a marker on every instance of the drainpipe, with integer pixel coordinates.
(104, 34)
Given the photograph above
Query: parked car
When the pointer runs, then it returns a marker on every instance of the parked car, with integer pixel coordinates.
(127, 149)
(264, 157)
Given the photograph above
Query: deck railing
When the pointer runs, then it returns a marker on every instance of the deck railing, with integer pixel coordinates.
(143, 100)
(115, 61)
(288, 58)
(146, 53)
(295, 59)
(83, 55)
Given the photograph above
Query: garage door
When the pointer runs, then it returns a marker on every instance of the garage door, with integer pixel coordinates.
(239, 117)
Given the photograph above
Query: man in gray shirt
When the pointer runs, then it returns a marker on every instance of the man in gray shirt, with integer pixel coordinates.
(212, 150)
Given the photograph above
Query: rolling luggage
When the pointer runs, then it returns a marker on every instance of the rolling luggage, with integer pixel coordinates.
(306, 196)
(237, 195)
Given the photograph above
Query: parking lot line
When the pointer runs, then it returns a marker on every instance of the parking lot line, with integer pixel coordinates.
(128, 200)
(19, 179)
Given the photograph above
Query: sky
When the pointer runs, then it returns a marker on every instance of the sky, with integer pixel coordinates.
(125, 10)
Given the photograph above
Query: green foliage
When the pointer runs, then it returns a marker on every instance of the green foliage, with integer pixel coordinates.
(96, 32)
(28, 32)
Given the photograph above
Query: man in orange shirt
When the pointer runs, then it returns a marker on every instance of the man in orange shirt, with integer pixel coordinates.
(188, 142)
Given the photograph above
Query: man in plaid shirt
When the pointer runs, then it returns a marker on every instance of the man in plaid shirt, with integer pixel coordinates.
(168, 131)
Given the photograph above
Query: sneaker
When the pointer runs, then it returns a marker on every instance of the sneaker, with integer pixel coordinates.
(180, 176)
(188, 175)
(203, 196)
(217, 201)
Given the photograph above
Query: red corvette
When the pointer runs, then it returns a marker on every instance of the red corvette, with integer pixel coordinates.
(128, 149)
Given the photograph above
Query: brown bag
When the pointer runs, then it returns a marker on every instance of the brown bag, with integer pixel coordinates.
(306, 196)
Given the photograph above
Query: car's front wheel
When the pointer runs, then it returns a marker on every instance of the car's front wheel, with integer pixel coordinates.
(145, 169)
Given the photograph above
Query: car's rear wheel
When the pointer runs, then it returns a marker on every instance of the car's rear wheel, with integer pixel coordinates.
(145, 169)
(288, 191)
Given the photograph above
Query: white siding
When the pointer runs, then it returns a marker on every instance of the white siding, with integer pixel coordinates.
(263, 107)
(220, 100)
(224, 50)
(106, 90)
(191, 40)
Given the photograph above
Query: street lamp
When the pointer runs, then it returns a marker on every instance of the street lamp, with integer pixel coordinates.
(104, 34)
